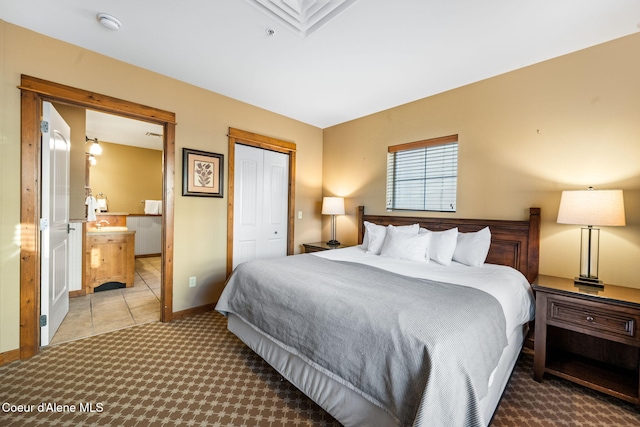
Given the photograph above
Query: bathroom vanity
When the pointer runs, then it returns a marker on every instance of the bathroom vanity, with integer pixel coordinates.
(109, 254)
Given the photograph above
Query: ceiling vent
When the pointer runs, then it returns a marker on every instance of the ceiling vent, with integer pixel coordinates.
(303, 16)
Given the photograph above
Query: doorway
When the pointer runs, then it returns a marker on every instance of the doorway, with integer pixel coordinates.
(124, 171)
(34, 92)
(244, 138)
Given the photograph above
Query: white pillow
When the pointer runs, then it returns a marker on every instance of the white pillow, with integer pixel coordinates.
(375, 234)
(400, 244)
(472, 248)
(370, 228)
(443, 244)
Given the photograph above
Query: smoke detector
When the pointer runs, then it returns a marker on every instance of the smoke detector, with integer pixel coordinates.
(109, 21)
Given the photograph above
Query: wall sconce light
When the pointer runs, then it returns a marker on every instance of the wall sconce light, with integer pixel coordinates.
(333, 206)
(95, 148)
(591, 207)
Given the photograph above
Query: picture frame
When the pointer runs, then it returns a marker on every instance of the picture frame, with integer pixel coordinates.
(202, 173)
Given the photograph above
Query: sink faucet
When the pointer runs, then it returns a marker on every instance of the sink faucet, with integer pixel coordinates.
(99, 223)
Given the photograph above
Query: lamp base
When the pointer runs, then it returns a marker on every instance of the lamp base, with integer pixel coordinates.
(333, 242)
(589, 281)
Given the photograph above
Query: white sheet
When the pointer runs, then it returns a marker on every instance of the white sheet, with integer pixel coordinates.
(507, 285)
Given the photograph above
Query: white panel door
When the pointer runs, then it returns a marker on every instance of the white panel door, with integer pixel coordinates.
(276, 203)
(261, 200)
(54, 268)
(247, 218)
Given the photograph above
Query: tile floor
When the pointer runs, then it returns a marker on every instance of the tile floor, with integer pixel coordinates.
(107, 311)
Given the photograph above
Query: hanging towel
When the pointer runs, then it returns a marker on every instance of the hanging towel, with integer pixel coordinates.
(152, 207)
(92, 206)
(102, 204)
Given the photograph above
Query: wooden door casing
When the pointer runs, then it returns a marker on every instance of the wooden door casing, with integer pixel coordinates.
(33, 92)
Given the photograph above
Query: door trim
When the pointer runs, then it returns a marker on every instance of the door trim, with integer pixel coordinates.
(33, 92)
(237, 136)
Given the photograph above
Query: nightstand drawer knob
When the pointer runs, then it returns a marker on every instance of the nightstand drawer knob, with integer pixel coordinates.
(590, 319)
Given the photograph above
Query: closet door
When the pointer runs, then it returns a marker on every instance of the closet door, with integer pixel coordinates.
(276, 196)
(261, 191)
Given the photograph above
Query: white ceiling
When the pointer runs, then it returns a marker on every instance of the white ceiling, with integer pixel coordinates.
(376, 54)
(120, 130)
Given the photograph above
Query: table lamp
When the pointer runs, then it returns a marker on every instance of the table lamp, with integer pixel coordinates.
(591, 208)
(333, 206)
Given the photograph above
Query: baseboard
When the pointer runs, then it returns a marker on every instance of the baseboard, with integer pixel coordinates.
(78, 293)
(193, 311)
(9, 356)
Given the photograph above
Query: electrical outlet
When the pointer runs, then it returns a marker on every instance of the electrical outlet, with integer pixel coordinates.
(192, 282)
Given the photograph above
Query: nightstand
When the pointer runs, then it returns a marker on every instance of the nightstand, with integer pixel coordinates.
(588, 335)
(319, 246)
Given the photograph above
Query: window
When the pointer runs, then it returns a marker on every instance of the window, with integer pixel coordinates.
(423, 175)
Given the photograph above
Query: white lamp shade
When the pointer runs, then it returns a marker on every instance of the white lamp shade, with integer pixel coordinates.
(95, 149)
(333, 206)
(592, 207)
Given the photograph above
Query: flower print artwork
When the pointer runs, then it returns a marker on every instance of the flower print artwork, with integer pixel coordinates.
(202, 173)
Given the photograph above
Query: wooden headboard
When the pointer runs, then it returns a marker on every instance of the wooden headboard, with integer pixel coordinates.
(513, 243)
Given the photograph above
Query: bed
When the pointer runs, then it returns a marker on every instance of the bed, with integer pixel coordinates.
(378, 336)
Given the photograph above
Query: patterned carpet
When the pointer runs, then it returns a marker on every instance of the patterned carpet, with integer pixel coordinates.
(193, 372)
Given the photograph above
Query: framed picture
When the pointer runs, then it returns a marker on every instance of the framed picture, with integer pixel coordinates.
(202, 173)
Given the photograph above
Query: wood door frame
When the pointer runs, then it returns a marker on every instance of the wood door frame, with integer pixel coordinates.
(33, 92)
(237, 136)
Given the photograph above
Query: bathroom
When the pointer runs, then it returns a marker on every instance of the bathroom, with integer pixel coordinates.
(125, 178)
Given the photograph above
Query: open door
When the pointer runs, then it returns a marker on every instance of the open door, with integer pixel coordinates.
(54, 224)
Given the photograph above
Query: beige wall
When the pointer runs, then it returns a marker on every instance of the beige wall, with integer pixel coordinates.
(127, 175)
(203, 120)
(524, 136)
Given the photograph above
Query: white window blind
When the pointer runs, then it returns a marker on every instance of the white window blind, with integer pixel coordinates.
(423, 175)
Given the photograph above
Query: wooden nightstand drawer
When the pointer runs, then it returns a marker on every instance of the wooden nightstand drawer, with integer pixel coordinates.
(320, 246)
(603, 320)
